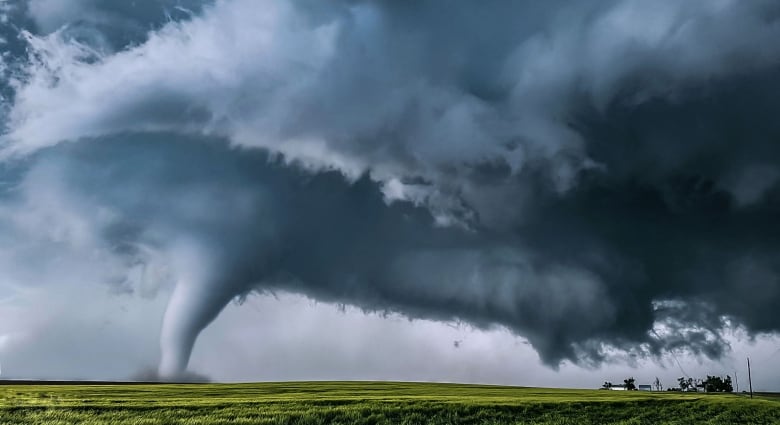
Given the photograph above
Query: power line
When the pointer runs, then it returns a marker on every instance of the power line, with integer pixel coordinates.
(773, 354)
(673, 356)
(679, 364)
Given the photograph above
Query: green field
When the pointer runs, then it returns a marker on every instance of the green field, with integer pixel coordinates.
(368, 403)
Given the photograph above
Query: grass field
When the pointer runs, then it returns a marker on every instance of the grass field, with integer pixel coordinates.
(368, 403)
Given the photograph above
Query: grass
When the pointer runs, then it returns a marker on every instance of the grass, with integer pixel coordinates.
(304, 403)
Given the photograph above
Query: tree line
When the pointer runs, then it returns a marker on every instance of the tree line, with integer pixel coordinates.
(712, 384)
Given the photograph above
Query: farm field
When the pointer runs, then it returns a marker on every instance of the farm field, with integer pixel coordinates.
(368, 403)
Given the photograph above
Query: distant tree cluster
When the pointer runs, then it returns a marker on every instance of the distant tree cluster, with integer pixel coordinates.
(716, 384)
(628, 384)
(685, 385)
(713, 384)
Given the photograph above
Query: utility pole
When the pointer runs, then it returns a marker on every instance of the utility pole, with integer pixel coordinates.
(750, 380)
(736, 383)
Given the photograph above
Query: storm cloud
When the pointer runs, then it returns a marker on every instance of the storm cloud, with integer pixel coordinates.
(598, 177)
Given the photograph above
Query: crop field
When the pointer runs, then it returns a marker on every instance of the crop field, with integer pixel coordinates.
(368, 403)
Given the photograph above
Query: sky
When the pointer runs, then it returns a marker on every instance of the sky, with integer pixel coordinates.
(507, 192)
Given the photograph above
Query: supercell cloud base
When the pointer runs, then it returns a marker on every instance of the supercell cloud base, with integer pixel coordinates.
(592, 185)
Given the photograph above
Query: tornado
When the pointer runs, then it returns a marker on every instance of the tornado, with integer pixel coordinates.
(190, 309)
(196, 300)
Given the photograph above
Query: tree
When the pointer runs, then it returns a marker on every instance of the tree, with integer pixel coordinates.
(683, 383)
(629, 384)
(607, 385)
(657, 384)
(716, 384)
(712, 384)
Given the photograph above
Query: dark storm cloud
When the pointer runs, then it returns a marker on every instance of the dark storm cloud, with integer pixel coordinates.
(595, 176)
(243, 222)
(106, 23)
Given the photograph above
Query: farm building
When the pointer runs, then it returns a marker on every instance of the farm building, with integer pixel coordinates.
(640, 387)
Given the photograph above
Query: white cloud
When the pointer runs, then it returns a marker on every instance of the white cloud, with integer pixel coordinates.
(341, 93)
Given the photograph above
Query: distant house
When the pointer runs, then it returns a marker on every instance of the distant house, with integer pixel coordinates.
(640, 387)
